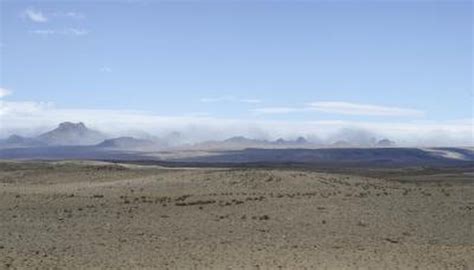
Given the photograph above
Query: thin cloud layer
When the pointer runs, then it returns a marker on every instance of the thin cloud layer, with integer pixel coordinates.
(345, 108)
(35, 15)
(39, 16)
(68, 14)
(278, 110)
(230, 99)
(105, 69)
(22, 109)
(65, 32)
(362, 109)
(4, 92)
(27, 118)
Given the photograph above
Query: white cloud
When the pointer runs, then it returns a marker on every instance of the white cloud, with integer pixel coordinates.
(68, 14)
(230, 99)
(23, 108)
(75, 32)
(35, 15)
(105, 69)
(65, 32)
(218, 99)
(4, 92)
(343, 108)
(362, 109)
(28, 116)
(39, 16)
(277, 110)
(250, 100)
(43, 32)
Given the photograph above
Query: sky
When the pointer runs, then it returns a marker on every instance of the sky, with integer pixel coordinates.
(398, 69)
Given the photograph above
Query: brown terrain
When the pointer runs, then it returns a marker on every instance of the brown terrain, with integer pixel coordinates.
(92, 215)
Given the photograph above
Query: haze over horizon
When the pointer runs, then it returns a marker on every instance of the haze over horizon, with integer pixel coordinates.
(401, 70)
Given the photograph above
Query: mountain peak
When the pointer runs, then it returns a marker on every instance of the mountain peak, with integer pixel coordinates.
(385, 143)
(72, 126)
(280, 141)
(301, 140)
(15, 139)
(68, 133)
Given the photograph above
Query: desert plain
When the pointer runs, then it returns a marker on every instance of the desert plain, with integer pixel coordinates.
(100, 215)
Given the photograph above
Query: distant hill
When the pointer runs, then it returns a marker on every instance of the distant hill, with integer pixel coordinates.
(346, 144)
(128, 143)
(341, 157)
(118, 149)
(341, 144)
(68, 133)
(298, 142)
(385, 143)
(234, 143)
(240, 142)
(19, 141)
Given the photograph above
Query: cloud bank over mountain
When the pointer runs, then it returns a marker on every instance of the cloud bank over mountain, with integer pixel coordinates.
(32, 118)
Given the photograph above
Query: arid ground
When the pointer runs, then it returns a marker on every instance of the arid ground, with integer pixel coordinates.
(91, 215)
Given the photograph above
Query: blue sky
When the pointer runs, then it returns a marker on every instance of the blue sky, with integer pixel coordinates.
(403, 62)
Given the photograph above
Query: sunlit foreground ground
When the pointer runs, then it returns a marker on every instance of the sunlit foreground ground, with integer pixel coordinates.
(82, 215)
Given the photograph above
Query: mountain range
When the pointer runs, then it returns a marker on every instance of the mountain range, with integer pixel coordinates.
(66, 133)
(75, 134)
(78, 134)
(77, 141)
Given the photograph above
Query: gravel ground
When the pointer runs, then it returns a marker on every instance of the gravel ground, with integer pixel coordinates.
(88, 215)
